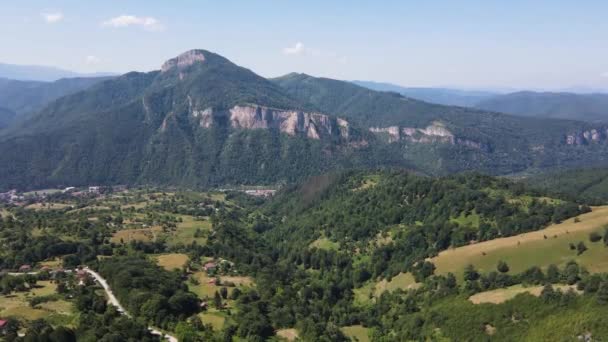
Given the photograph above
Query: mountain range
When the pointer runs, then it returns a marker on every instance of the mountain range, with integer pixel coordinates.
(42, 73)
(592, 107)
(203, 121)
(18, 98)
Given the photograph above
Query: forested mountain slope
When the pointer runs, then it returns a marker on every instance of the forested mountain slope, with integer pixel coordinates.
(28, 96)
(582, 107)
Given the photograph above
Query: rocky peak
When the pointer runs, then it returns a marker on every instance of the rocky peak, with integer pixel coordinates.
(184, 60)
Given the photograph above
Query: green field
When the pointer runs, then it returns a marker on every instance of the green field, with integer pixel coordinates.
(357, 333)
(502, 295)
(172, 261)
(17, 305)
(187, 229)
(325, 243)
(402, 281)
(533, 249)
(216, 320)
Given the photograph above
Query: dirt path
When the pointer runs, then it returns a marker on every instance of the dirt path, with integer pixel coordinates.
(114, 301)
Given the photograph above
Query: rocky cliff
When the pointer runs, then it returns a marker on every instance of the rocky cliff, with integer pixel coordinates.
(434, 133)
(291, 122)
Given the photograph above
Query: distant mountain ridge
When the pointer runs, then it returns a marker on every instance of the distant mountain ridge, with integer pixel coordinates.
(444, 96)
(42, 73)
(585, 107)
(22, 97)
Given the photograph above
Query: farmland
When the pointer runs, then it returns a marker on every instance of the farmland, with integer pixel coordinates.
(539, 248)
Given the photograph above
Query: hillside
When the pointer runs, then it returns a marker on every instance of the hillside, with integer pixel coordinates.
(24, 97)
(461, 138)
(590, 184)
(201, 120)
(6, 116)
(443, 96)
(582, 107)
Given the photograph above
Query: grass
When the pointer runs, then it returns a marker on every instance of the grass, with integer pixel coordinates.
(48, 205)
(172, 261)
(142, 234)
(368, 182)
(17, 305)
(206, 290)
(471, 220)
(502, 295)
(187, 229)
(215, 319)
(356, 333)
(533, 249)
(402, 281)
(289, 334)
(325, 244)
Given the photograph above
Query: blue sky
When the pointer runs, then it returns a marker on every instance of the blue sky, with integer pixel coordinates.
(472, 44)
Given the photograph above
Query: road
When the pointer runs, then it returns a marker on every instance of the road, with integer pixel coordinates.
(114, 301)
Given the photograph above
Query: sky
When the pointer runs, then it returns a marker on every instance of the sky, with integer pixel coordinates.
(477, 44)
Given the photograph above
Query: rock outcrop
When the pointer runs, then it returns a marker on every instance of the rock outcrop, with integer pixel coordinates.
(184, 60)
(291, 122)
(586, 137)
(434, 133)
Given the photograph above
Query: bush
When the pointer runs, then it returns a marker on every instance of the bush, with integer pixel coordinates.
(594, 237)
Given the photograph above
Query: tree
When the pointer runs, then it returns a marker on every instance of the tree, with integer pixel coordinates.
(224, 292)
(553, 274)
(548, 294)
(470, 273)
(594, 237)
(602, 293)
(581, 248)
(502, 267)
(217, 300)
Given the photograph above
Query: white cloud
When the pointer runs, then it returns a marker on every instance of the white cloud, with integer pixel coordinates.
(147, 23)
(297, 49)
(52, 17)
(91, 60)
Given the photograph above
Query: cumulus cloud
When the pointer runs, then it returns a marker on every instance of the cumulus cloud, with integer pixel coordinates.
(52, 17)
(91, 60)
(147, 23)
(297, 49)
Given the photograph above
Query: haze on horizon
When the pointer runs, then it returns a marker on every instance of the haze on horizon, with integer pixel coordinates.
(469, 44)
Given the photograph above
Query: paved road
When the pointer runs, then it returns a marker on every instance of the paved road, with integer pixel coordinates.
(114, 301)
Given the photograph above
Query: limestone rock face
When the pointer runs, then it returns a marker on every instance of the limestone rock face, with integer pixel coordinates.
(434, 133)
(184, 60)
(291, 122)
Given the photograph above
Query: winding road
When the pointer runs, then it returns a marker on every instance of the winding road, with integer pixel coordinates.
(114, 301)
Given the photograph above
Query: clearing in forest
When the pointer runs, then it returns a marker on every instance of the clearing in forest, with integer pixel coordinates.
(498, 296)
(142, 234)
(540, 248)
(172, 261)
(357, 333)
(404, 281)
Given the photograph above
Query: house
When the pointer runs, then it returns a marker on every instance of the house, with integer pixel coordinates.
(210, 266)
(25, 268)
(94, 189)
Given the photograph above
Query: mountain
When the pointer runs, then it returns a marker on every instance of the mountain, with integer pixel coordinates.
(584, 107)
(203, 121)
(440, 139)
(22, 97)
(444, 96)
(41, 73)
(6, 117)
